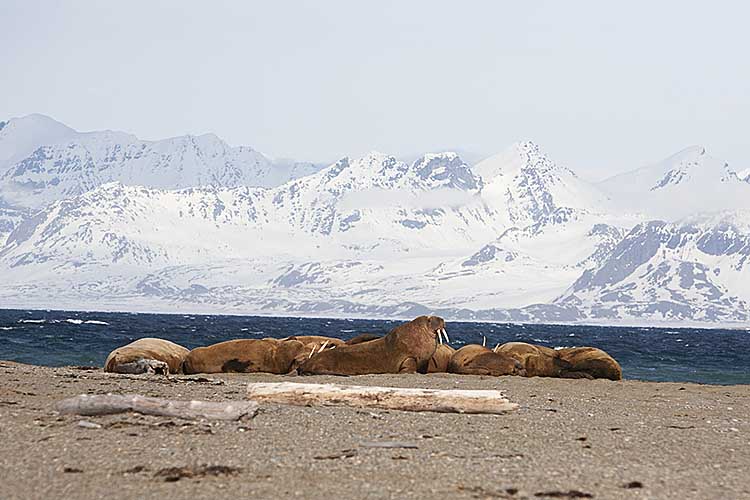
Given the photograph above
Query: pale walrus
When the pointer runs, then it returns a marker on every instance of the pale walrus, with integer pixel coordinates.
(247, 356)
(439, 361)
(474, 359)
(538, 361)
(406, 349)
(146, 355)
(590, 362)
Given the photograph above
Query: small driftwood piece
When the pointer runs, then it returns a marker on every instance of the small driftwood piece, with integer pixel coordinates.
(390, 398)
(189, 410)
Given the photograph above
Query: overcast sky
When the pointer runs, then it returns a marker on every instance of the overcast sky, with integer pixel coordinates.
(602, 86)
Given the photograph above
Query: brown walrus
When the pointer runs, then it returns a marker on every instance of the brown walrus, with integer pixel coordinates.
(538, 361)
(439, 361)
(146, 355)
(474, 359)
(590, 362)
(406, 349)
(247, 356)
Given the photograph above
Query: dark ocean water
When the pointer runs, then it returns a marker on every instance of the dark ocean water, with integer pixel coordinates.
(57, 338)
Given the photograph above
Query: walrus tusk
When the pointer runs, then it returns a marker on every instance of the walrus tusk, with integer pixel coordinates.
(484, 341)
(497, 346)
(439, 336)
(447, 340)
(323, 346)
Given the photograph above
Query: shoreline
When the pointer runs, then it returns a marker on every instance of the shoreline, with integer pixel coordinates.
(626, 439)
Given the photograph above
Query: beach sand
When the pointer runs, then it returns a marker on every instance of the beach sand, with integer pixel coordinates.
(569, 439)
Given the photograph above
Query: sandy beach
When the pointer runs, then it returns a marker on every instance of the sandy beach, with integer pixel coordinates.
(568, 439)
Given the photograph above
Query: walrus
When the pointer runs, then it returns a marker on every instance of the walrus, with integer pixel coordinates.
(364, 337)
(146, 355)
(590, 362)
(439, 361)
(538, 361)
(405, 349)
(247, 356)
(474, 359)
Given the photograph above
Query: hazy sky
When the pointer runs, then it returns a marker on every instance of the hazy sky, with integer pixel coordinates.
(602, 86)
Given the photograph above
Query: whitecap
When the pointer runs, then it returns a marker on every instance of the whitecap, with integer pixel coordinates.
(347, 331)
(32, 320)
(96, 322)
(74, 321)
(6, 328)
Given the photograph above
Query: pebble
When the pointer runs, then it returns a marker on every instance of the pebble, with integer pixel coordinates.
(86, 424)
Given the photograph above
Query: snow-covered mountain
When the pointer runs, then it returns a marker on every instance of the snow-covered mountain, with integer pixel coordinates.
(20, 137)
(374, 204)
(516, 237)
(688, 182)
(696, 269)
(42, 161)
(533, 189)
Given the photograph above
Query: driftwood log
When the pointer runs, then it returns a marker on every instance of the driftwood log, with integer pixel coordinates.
(390, 398)
(190, 410)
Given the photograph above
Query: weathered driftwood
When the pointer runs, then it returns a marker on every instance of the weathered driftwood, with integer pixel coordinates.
(391, 398)
(190, 410)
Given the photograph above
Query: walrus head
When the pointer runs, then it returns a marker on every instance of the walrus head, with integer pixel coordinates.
(143, 365)
(436, 325)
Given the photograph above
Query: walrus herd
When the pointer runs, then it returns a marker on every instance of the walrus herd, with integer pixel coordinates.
(419, 346)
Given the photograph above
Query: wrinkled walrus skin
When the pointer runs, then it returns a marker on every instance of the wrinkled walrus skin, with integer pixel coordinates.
(590, 362)
(474, 359)
(406, 349)
(247, 356)
(439, 361)
(538, 361)
(146, 355)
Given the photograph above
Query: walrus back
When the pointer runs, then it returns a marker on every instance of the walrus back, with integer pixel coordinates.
(316, 340)
(244, 356)
(147, 349)
(537, 361)
(474, 359)
(359, 359)
(592, 362)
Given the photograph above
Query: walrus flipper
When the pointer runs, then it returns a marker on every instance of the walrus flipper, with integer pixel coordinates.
(409, 365)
